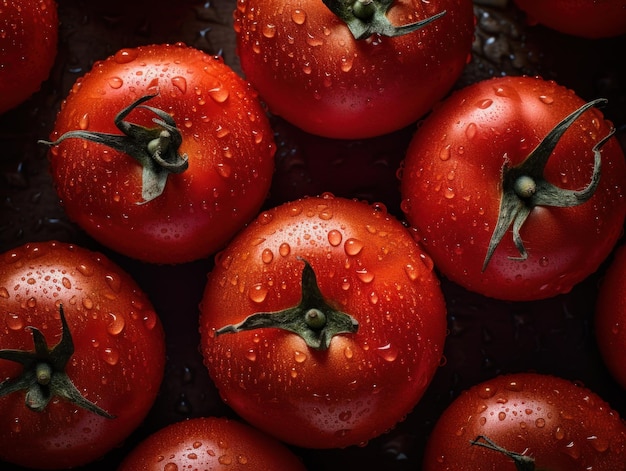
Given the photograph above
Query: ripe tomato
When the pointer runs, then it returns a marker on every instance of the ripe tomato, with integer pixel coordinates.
(610, 317)
(350, 317)
(585, 18)
(210, 443)
(527, 421)
(92, 351)
(309, 68)
(202, 147)
(28, 46)
(468, 178)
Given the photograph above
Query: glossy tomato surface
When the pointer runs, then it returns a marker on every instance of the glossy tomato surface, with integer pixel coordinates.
(225, 138)
(213, 443)
(453, 188)
(546, 421)
(586, 18)
(367, 267)
(610, 317)
(29, 32)
(309, 68)
(117, 362)
(486, 336)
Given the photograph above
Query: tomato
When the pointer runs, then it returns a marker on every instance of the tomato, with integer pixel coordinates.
(210, 443)
(322, 322)
(585, 18)
(507, 203)
(527, 421)
(610, 317)
(308, 67)
(92, 355)
(28, 46)
(185, 160)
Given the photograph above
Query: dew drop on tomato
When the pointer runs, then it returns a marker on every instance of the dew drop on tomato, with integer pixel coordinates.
(115, 82)
(180, 83)
(124, 56)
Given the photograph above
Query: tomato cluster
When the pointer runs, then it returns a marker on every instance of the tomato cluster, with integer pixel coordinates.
(244, 234)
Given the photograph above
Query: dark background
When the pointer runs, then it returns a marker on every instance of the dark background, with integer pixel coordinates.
(487, 337)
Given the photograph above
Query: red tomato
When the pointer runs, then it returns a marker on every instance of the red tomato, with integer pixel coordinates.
(202, 146)
(527, 421)
(97, 375)
(28, 46)
(489, 214)
(586, 18)
(360, 330)
(210, 443)
(309, 68)
(610, 317)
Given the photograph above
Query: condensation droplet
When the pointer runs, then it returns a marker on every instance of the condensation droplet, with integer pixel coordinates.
(4, 293)
(111, 355)
(299, 356)
(484, 104)
(124, 56)
(284, 249)
(115, 82)
(267, 256)
(388, 352)
(298, 16)
(353, 246)
(365, 276)
(269, 30)
(83, 122)
(257, 293)
(548, 100)
(116, 324)
(445, 153)
(14, 321)
(180, 83)
(334, 237)
(540, 423)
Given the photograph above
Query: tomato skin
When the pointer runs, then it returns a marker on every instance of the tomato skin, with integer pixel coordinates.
(118, 360)
(212, 442)
(586, 18)
(368, 265)
(451, 188)
(226, 136)
(28, 47)
(610, 317)
(562, 425)
(311, 71)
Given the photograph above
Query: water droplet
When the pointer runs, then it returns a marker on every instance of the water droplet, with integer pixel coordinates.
(180, 83)
(345, 416)
(223, 170)
(348, 353)
(299, 356)
(298, 16)
(284, 249)
(365, 276)
(16, 425)
(4, 293)
(111, 355)
(115, 82)
(257, 293)
(346, 64)
(124, 56)
(471, 130)
(487, 392)
(14, 321)
(600, 445)
(87, 303)
(83, 122)
(116, 324)
(269, 30)
(113, 281)
(373, 297)
(548, 100)
(484, 104)
(388, 352)
(448, 193)
(540, 423)
(225, 460)
(242, 459)
(501, 416)
(251, 355)
(445, 153)
(353, 246)
(66, 283)
(544, 262)
(149, 319)
(267, 256)
(334, 237)
(219, 93)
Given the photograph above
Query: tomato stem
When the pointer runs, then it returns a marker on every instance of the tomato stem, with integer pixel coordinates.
(522, 462)
(313, 319)
(155, 149)
(524, 186)
(367, 17)
(43, 375)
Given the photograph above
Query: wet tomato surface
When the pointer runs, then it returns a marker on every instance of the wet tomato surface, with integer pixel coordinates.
(485, 337)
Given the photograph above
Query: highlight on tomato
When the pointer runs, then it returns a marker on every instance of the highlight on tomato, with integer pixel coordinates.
(516, 187)
(591, 19)
(28, 47)
(212, 443)
(323, 322)
(351, 68)
(162, 153)
(82, 355)
(610, 317)
(527, 421)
